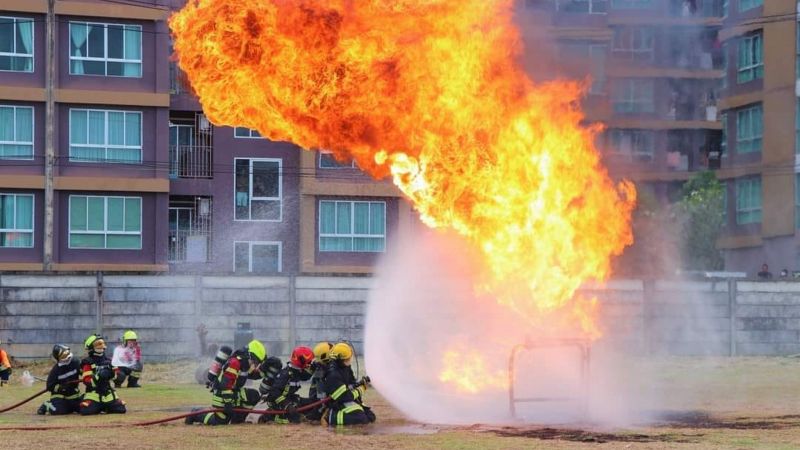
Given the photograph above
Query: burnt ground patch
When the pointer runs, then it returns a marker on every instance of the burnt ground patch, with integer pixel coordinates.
(578, 435)
(703, 420)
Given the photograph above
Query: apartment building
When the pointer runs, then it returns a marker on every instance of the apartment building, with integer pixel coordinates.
(108, 163)
(83, 108)
(688, 85)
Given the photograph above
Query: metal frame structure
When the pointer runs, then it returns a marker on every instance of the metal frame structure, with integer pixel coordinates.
(583, 347)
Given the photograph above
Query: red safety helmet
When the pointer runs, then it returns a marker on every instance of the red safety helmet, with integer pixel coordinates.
(302, 357)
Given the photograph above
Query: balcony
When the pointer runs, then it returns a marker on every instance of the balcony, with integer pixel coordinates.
(191, 151)
(190, 230)
(191, 161)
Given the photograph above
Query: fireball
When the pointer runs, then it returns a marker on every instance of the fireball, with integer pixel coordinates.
(431, 93)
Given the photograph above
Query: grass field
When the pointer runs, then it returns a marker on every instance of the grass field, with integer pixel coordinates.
(742, 403)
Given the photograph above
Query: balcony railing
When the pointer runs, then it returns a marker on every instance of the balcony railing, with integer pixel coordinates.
(697, 8)
(191, 161)
(190, 246)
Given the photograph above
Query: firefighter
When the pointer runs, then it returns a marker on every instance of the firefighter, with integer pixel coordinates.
(5, 367)
(97, 375)
(62, 383)
(318, 368)
(283, 394)
(127, 360)
(228, 391)
(346, 406)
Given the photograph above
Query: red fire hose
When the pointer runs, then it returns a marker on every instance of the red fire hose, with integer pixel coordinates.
(16, 405)
(159, 421)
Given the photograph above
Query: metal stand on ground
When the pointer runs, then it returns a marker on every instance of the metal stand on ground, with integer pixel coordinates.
(583, 347)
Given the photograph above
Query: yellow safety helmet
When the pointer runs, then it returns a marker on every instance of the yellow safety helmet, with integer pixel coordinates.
(322, 351)
(95, 344)
(257, 350)
(129, 335)
(341, 352)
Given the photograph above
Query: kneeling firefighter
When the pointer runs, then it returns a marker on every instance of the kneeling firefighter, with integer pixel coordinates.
(283, 394)
(316, 391)
(62, 383)
(346, 406)
(228, 391)
(97, 375)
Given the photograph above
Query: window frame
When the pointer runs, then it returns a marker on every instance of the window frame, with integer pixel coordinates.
(631, 50)
(278, 244)
(750, 182)
(630, 87)
(250, 190)
(106, 146)
(33, 44)
(106, 59)
(631, 4)
(590, 7)
(351, 235)
(105, 231)
(753, 68)
(33, 133)
(751, 138)
(336, 167)
(756, 4)
(250, 132)
(21, 230)
(634, 133)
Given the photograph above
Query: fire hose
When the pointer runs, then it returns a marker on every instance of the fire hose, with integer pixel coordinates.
(17, 405)
(165, 420)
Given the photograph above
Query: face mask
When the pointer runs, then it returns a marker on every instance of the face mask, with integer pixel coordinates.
(65, 361)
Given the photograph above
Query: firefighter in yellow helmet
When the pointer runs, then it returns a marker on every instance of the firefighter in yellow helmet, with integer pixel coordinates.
(228, 391)
(318, 367)
(346, 406)
(127, 360)
(97, 375)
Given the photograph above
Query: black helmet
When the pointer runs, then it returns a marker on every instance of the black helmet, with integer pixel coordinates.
(61, 352)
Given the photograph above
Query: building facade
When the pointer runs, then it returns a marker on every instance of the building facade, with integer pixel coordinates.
(108, 163)
(689, 85)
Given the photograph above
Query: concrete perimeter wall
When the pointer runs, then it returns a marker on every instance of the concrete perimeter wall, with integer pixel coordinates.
(646, 317)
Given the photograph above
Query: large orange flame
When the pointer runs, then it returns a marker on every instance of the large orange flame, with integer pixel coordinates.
(431, 93)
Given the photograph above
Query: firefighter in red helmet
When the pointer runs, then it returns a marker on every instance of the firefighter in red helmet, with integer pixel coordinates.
(283, 394)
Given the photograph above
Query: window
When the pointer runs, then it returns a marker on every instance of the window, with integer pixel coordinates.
(16, 220)
(597, 53)
(748, 201)
(16, 132)
(327, 161)
(639, 144)
(751, 58)
(635, 44)
(744, 5)
(797, 201)
(583, 6)
(258, 189)
(105, 49)
(246, 133)
(723, 144)
(631, 4)
(749, 126)
(797, 50)
(352, 226)
(632, 96)
(16, 44)
(797, 127)
(257, 257)
(724, 66)
(105, 136)
(105, 222)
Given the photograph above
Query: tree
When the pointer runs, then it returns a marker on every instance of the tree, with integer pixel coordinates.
(701, 213)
